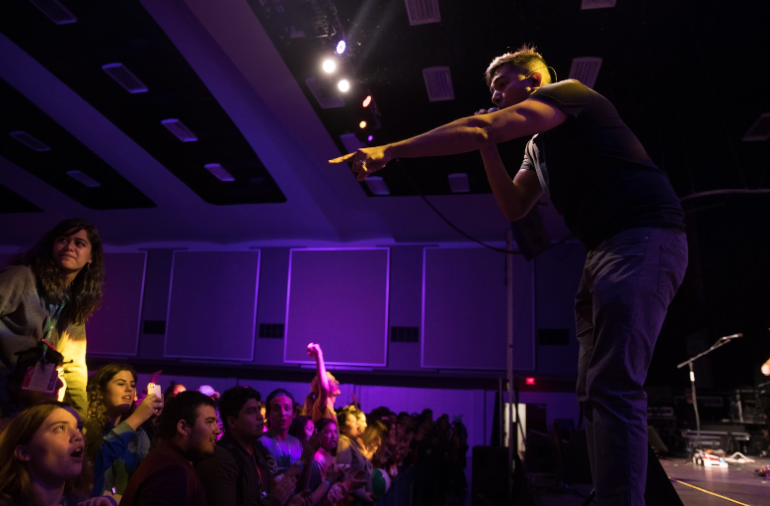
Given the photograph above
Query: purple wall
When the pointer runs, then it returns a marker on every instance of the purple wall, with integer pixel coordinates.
(339, 299)
(556, 274)
(114, 328)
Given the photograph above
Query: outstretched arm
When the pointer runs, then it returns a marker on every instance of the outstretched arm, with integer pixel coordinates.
(461, 136)
(314, 351)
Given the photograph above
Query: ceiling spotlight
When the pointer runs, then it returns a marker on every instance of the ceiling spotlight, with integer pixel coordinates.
(362, 125)
(370, 138)
(341, 46)
(343, 85)
(367, 101)
(329, 65)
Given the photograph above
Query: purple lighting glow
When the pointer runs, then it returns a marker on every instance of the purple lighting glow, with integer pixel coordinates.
(341, 46)
(370, 138)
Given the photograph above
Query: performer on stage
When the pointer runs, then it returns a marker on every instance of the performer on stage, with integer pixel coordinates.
(47, 294)
(617, 202)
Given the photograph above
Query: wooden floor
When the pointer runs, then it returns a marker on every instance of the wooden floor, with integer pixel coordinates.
(738, 484)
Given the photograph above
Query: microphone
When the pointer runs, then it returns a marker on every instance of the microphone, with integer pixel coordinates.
(732, 336)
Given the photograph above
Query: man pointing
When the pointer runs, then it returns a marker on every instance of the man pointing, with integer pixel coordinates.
(617, 202)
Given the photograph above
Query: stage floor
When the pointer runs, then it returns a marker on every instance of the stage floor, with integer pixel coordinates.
(737, 484)
(715, 487)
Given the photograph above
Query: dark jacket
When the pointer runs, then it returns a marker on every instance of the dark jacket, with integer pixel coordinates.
(166, 477)
(230, 478)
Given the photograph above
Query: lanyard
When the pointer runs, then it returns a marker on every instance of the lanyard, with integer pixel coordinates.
(50, 323)
(50, 320)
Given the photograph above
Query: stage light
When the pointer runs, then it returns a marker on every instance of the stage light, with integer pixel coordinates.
(362, 125)
(329, 65)
(370, 138)
(343, 85)
(367, 101)
(530, 381)
(341, 46)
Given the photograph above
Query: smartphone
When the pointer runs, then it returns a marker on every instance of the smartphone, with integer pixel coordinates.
(154, 388)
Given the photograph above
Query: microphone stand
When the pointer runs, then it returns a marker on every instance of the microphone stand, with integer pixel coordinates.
(721, 342)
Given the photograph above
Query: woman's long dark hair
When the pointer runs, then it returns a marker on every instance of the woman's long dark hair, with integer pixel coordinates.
(321, 424)
(84, 295)
(297, 428)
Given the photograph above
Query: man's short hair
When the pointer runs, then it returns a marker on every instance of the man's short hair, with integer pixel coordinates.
(277, 393)
(525, 58)
(182, 407)
(233, 400)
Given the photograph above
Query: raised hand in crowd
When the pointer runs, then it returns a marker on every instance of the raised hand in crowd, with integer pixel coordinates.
(355, 479)
(334, 473)
(150, 406)
(284, 489)
(314, 350)
(310, 448)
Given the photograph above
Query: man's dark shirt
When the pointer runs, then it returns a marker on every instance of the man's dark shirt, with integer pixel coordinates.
(166, 477)
(234, 477)
(595, 171)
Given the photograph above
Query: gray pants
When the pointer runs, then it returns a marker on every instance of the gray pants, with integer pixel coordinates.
(627, 284)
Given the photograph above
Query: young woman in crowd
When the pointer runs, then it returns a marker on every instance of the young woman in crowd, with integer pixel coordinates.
(302, 428)
(324, 457)
(373, 437)
(42, 459)
(362, 424)
(325, 469)
(324, 388)
(116, 442)
(48, 294)
(350, 452)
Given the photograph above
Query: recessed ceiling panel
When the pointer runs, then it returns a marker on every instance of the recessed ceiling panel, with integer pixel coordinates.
(115, 41)
(58, 155)
(640, 44)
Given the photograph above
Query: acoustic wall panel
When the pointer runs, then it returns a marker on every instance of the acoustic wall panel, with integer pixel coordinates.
(212, 306)
(558, 276)
(464, 317)
(114, 328)
(524, 306)
(338, 298)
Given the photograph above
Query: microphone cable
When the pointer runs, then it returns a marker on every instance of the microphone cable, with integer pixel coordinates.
(458, 229)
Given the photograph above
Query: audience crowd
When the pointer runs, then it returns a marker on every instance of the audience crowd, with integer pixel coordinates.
(69, 436)
(202, 448)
